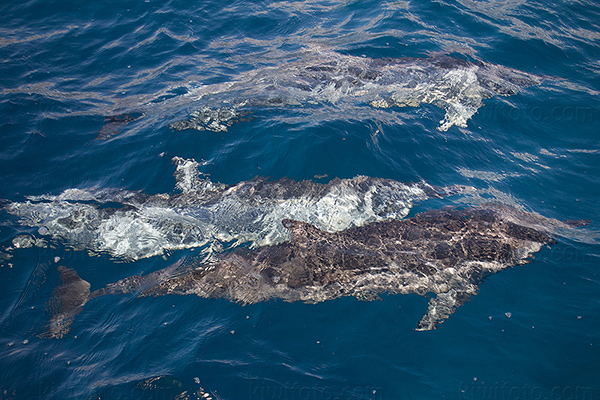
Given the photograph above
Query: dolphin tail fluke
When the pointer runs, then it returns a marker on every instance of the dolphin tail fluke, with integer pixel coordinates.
(443, 305)
(67, 301)
(73, 293)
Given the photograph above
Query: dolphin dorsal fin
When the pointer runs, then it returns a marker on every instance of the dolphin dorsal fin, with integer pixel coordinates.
(302, 231)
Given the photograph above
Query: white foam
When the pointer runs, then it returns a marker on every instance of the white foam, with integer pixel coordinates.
(209, 215)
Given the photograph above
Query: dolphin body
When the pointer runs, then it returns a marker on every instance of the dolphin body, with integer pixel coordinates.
(337, 81)
(130, 225)
(445, 252)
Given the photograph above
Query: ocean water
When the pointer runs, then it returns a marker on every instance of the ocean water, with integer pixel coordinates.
(107, 104)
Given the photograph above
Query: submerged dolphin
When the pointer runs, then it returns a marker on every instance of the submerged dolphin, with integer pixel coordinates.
(446, 252)
(324, 77)
(317, 85)
(208, 215)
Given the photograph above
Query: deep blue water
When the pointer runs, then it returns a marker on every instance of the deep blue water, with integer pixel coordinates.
(66, 66)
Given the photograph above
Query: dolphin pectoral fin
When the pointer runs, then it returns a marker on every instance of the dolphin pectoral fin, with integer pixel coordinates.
(444, 304)
(67, 301)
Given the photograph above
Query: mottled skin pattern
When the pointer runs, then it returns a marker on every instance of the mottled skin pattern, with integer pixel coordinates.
(446, 252)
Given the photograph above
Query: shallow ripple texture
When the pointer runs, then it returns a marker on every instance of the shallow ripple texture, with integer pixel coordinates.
(89, 90)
